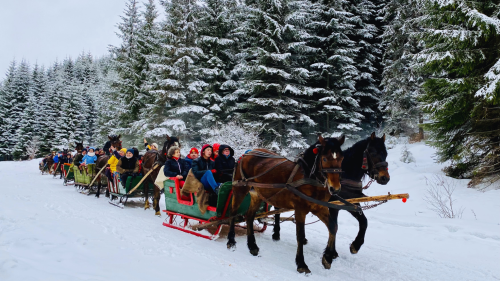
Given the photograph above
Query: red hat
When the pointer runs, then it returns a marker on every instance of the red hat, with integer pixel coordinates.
(194, 149)
(205, 146)
(216, 146)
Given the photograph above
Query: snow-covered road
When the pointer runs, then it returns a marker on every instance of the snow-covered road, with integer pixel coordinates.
(50, 232)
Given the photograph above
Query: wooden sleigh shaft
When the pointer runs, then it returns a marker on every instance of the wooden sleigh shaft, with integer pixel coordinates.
(264, 215)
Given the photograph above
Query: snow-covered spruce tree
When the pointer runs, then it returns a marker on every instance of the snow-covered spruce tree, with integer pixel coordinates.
(400, 81)
(19, 99)
(333, 69)
(217, 21)
(27, 126)
(128, 64)
(462, 92)
(107, 105)
(368, 60)
(273, 96)
(174, 77)
(6, 91)
(53, 111)
(39, 90)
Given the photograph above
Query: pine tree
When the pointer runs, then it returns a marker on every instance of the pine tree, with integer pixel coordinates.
(219, 48)
(368, 60)
(333, 69)
(274, 95)
(400, 81)
(462, 93)
(174, 76)
(44, 124)
(6, 92)
(128, 63)
(19, 100)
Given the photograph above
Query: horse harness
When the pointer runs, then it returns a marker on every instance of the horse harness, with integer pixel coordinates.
(372, 173)
(291, 185)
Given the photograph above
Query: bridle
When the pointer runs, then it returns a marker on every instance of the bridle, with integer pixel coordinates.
(322, 171)
(369, 166)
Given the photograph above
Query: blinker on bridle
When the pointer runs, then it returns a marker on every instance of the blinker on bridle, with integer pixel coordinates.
(367, 162)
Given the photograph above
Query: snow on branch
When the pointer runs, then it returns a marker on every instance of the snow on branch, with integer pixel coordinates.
(493, 78)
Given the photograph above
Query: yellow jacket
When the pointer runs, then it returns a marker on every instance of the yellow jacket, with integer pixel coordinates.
(112, 163)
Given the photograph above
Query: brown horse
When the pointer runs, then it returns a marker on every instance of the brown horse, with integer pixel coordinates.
(365, 158)
(102, 161)
(149, 159)
(321, 163)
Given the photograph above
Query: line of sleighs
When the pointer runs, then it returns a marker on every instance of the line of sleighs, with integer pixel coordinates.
(181, 208)
(316, 172)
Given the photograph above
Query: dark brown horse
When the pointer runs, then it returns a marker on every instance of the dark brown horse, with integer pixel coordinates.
(318, 171)
(149, 159)
(365, 158)
(102, 162)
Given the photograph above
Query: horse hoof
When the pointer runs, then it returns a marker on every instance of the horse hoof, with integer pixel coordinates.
(353, 249)
(276, 237)
(304, 241)
(304, 270)
(254, 252)
(231, 245)
(325, 263)
(158, 214)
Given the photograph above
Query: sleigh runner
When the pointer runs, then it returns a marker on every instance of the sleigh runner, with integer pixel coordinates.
(134, 188)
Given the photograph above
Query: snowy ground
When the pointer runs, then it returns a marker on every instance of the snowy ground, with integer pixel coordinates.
(50, 232)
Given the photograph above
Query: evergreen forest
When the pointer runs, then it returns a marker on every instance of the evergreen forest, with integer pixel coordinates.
(286, 69)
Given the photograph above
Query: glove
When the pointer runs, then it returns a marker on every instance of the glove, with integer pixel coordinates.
(214, 171)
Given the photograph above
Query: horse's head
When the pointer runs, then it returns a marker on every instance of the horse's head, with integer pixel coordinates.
(79, 147)
(171, 141)
(374, 159)
(330, 161)
(65, 152)
(115, 141)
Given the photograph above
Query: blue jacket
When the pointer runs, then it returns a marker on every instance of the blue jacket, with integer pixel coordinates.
(176, 167)
(89, 159)
(56, 159)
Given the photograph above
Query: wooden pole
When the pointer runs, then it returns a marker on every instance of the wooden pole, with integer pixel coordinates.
(374, 198)
(98, 175)
(143, 178)
(263, 215)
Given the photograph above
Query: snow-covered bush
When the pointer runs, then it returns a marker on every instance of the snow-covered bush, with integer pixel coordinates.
(32, 148)
(406, 155)
(238, 136)
(439, 197)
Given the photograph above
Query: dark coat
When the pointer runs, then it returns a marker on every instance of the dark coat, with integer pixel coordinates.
(224, 166)
(106, 148)
(176, 167)
(77, 159)
(200, 166)
(126, 165)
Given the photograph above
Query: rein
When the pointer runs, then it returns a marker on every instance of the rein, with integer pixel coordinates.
(291, 185)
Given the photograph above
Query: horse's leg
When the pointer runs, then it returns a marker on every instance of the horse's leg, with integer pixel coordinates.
(98, 186)
(360, 239)
(239, 194)
(146, 194)
(277, 227)
(329, 218)
(300, 220)
(250, 217)
(156, 200)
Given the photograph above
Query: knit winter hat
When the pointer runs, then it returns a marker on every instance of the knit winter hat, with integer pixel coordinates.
(84, 150)
(92, 148)
(194, 149)
(124, 150)
(155, 145)
(131, 150)
(216, 147)
(171, 151)
(205, 146)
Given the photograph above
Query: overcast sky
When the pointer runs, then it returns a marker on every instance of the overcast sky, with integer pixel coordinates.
(45, 30)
